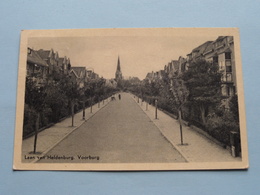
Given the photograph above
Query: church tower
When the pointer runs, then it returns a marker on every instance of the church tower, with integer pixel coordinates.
(118, 75)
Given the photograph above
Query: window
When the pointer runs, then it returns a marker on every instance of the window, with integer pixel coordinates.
(222, 78)
(228, 68)
(215, 59)
(229, 77)
(224, 91)
(228, 91)
(228, 56)
(228, 62)
(36, 67)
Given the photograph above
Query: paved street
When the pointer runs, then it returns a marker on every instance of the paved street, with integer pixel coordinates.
(120, 132)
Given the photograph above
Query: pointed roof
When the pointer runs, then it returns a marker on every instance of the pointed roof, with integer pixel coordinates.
(34, 58)
(60, 61)
(80, 72)
(149, 75)
(201, 49)
(210, 48)
(118, 65)
(175, 64)
(45, 54)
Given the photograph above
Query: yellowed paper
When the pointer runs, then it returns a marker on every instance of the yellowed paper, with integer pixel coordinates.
(120, 99)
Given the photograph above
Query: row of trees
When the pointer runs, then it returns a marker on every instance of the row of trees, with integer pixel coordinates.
(58, 97)
(195, 95)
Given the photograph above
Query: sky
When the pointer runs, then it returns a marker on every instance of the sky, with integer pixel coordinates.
(138, 54)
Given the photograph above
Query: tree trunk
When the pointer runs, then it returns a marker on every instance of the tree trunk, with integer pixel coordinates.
(83, 117)
(72, 113)
(37, 124)
(203, 113)
(91, 105)
(180, 121)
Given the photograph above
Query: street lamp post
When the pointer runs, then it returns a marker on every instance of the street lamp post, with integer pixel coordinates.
(36, 132)
(72, 106)
(37, 122)
(180, 121)
(83, 102)
(91, 104)
(156, 106)
(72, 113)
(90, 68)
(84, 97)
(83, 114)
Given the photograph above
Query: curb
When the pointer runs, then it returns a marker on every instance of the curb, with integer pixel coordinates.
(174, 145)
(55, 144)
(205, 134)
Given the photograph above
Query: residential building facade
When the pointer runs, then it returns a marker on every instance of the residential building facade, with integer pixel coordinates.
(220, 51)
(36, 67)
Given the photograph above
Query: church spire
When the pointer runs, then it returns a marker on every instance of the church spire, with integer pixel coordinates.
(118, 65)
(118, 75)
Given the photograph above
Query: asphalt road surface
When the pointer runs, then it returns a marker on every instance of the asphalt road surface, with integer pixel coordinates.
(119, 133)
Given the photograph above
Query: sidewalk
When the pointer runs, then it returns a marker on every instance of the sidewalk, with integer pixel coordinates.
(50, 137)
(196, 147)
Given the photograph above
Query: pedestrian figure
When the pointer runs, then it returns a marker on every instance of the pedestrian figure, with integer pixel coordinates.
(113, 98)
(119, 96)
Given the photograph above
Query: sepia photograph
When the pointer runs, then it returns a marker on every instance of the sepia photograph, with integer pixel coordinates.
(130, 99)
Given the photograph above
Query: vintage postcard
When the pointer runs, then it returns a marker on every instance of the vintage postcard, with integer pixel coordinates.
(130, 99)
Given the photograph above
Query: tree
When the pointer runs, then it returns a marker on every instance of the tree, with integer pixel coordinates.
(203, 81)
(234, 107)
(56, 100)
(178, 94)
(35, 98)
(71, 90)
(93, 89)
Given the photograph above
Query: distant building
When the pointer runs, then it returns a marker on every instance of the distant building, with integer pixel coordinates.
(118, 75)
(78, 74)
(221, 52)
(155, 76)
(91, 75)
(198, 52)
(50, 58)
(47, 65)
(36, 67)
(110, 83)
(149, 77)
(64, 65)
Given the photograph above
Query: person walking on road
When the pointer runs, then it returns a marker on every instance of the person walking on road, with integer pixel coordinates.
(113, 98)
(119, 96)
